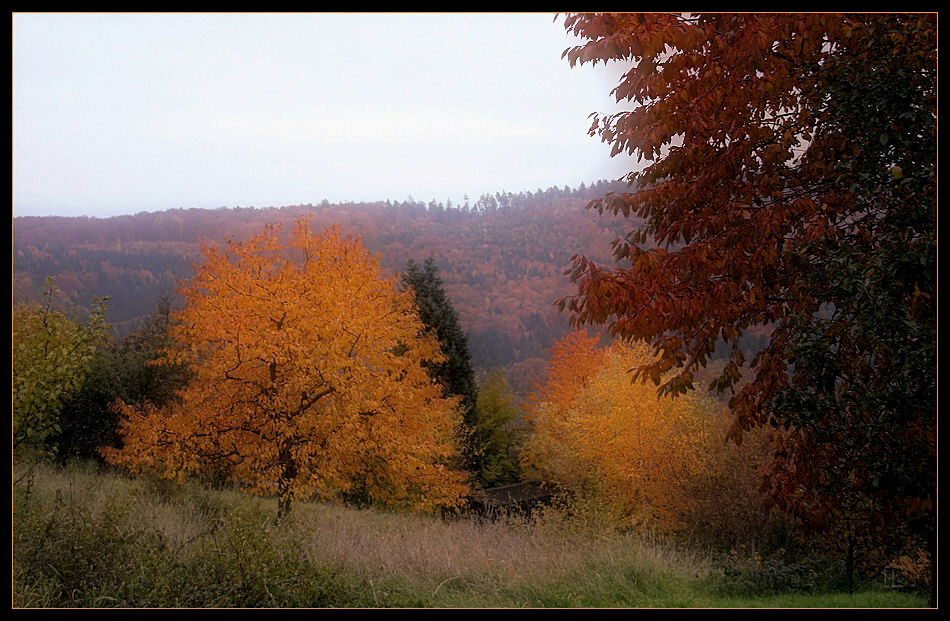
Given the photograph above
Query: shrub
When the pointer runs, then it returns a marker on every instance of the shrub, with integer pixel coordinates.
(774, 574)
(100, 541)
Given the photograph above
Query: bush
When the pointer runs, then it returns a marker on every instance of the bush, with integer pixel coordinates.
(81, 547)
(778, 573)
(909, 570)
(66, 556)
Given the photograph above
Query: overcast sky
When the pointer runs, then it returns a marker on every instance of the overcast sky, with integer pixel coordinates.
(121, 113)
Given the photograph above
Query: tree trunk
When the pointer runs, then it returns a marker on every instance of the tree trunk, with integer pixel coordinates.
(283, 507)
(850, 565)
(288, 472)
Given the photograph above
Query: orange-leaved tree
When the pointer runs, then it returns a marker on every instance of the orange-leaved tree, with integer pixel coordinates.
(309, 378)
(575, 358)
(616, 441)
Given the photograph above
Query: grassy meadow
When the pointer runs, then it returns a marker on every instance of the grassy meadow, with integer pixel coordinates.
(88, 539)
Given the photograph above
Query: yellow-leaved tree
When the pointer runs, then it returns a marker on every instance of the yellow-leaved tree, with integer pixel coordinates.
(309, 379)
(614, 440)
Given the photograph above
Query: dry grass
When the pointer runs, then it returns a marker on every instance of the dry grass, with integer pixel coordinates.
(89, 539)
(502, 558)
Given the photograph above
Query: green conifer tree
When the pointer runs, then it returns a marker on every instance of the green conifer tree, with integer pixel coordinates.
(456, 373)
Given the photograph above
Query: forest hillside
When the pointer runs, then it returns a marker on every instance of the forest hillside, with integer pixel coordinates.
(502, 258)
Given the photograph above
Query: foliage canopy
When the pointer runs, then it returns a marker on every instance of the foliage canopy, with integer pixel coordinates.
(615, 441)
(52, 355)
(790, 183)
(308, 378)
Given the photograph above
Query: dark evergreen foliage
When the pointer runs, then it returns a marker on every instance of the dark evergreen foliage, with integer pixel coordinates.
(122, 369)
(456, 373)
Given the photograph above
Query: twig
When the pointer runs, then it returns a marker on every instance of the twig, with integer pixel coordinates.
(441, 583)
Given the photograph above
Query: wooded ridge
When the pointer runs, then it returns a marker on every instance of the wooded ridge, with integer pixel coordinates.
(502, 257)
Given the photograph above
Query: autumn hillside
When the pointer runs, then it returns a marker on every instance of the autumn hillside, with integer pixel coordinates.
(501, 257)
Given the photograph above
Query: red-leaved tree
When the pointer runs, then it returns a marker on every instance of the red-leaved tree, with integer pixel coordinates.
(790, 183)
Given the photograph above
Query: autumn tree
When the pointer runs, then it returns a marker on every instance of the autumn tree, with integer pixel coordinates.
(52, 354)
(308, 375)
(791, 183)
(575, 357)
(618, 442)
(454, 372)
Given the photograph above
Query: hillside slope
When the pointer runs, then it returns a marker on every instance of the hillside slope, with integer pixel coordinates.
(501, 258)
